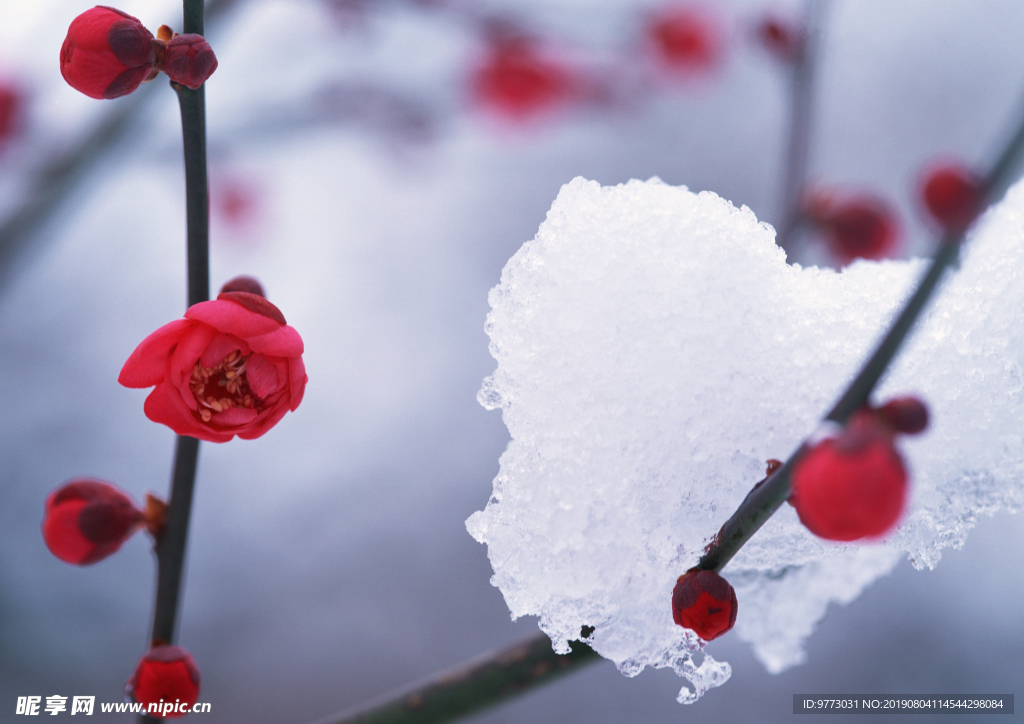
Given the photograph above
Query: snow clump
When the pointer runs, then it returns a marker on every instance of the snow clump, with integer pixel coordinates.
(654, 349)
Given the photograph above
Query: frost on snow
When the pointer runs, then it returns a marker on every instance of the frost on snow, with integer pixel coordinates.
(655, 349)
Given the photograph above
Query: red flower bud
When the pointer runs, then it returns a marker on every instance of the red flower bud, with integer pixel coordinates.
(952, 195)
(516, 80)
(907, 415)
(86, 520)
(10, 110)
(189, 60)
(686, 39)
(231, 367)
(861, 227)
(167, 676)
(704, 602)
(107, 53)
(243, 284)
(852, 486)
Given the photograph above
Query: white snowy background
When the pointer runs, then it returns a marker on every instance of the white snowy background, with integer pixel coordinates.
(329, 561)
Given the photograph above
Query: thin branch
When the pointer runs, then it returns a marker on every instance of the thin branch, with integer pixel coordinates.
(170, 548)
(767, 496)
(794, 175)
(472, 686)
(197, 192)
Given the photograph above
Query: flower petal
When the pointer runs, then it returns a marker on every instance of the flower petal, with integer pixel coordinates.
(262, 375)
(148, 363)
(187, 353)
(220, 347)
(252, 301)
(268, 418)
(234, 417)
(231, 317)
(296, 381)
(282, 342)
(165, 406)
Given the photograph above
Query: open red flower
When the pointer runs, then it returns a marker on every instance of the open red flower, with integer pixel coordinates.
(704, 602)
(87, 519)
(107, 53)
(231, 367)
(168, 678)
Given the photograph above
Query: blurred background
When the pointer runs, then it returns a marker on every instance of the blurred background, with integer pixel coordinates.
(375, 163)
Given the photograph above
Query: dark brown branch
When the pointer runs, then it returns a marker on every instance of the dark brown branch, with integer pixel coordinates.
(473, 686)
(170, 548)
(801, 111)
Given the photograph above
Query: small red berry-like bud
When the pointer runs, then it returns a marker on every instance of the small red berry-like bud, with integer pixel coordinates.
(167, 676)
(189, 60)
(781, 38)
(861, 227)
(86, 520)
(10, 110)
(952, 195)
(686, 39)
(517, 81)
(852, 486)
(244, 284)
(907, 415)
(107, 53)
(704, 602)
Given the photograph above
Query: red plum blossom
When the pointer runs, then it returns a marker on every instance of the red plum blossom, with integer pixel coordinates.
(231, 367)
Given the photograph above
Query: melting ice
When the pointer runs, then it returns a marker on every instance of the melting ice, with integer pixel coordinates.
(654, 349)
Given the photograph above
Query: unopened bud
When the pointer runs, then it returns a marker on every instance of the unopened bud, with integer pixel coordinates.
(86, 520)
(705, 603)
(107, 53)
(168, 677)
(189, 60)
(243, 283)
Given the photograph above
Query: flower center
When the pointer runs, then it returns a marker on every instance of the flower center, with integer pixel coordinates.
(222, 387)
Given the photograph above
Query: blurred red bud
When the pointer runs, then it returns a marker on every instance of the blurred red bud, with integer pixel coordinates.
(11, 102)
(686, 39)
(516, 80)
(857, 227)
(852, 486)
(87, 519)
(907, 415)
(952, 194)
(243, 284)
